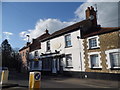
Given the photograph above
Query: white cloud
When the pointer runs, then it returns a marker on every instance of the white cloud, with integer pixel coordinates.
(7, 35)
(51, 24)
(107, 13)
(107, 17)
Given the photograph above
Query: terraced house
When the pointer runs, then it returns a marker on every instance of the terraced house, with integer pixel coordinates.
(102, 53)
(84, 49)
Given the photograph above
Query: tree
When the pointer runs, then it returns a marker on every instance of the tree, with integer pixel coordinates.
(6, 53)
(10, 56)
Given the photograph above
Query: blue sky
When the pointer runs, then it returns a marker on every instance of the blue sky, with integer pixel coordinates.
(20, 16)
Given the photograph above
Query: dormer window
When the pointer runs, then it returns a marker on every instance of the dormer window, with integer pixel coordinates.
(93, 42)
(48, 45)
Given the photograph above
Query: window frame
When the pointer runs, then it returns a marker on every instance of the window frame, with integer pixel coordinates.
(36, 52)
(89, 58)
(97, 42)
(48, 44)
(66, 45)
(69, 66)
(109, 63)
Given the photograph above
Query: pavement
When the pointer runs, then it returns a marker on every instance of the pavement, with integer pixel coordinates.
(21, 81)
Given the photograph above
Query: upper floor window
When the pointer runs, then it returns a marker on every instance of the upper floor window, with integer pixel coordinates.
(27, 52)
(93, 42)
(48, 45)
(68, 40)
(23, 53)
(36, 53)
(69, 60)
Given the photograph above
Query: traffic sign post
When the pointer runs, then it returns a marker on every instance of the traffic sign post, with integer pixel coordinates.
(34, 80)
(4, 76)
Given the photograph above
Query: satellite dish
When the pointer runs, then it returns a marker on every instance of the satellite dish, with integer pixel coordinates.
(91, 17)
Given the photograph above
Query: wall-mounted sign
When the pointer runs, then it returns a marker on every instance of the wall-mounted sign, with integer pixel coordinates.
(57, 45)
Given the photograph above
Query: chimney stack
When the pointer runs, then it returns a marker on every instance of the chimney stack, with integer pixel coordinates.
(46, 31)
(91, 13)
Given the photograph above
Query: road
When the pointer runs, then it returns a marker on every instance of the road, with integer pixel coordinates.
(60, 82)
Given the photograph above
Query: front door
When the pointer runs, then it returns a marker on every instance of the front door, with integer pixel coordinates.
(54, 70)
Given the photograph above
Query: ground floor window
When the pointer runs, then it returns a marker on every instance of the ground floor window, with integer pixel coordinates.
(36, 64)
(46, 63)
(94, 60)
(113, 58)
(69, 60)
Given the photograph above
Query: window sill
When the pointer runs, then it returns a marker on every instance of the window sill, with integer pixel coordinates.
(115, 68)
(69, 67)
(94, 48)
(48, 51)
(96, 68)
(68, 46)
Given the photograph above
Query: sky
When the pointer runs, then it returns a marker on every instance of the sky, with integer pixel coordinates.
(33, 18)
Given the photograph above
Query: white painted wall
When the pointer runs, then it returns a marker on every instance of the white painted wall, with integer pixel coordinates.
(31, 54)
(58, 44)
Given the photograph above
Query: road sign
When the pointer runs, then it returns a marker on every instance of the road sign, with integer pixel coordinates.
(34, 80)
(37, 76)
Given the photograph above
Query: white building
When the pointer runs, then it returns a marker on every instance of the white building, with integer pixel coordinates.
(63, 49)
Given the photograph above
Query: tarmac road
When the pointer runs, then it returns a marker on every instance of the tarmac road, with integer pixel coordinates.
(60, 82)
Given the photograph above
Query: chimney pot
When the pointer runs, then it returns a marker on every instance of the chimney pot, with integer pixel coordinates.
(46, 31)
(92, 8)
(88, 8)
(90, 11)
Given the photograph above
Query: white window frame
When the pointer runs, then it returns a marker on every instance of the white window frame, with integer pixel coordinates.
(48, 45)
(107, 52)
(94, 53)
(88, 43)
(71, 61)
(67, 41)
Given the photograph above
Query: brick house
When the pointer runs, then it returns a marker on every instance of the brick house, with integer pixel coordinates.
(102, 53)
(24, 55)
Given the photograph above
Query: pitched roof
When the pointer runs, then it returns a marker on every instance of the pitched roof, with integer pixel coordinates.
(76, 26)
(36, 43)
(43, 36)
(24, 48)
(102, 30)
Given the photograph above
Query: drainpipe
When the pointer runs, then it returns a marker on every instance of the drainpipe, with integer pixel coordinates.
(78, 37)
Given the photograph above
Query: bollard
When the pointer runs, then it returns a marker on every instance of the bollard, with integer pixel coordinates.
(34, 80)
(4, 76)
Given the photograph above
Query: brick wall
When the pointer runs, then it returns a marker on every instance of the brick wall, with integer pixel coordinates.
(107, 41)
